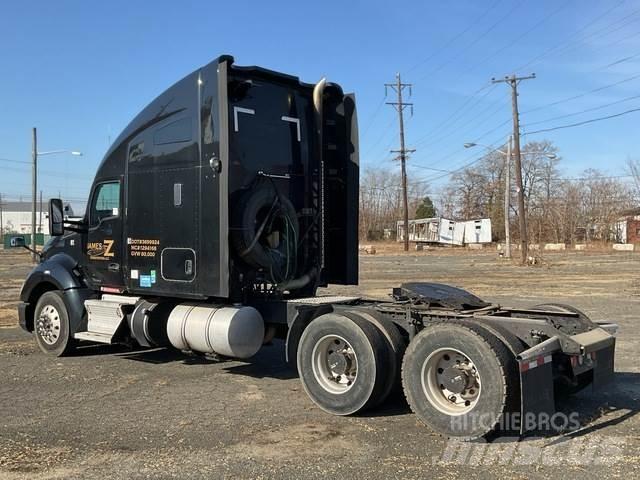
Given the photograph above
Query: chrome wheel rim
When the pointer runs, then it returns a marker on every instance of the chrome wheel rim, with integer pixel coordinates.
(334, 364)
(48, 324)
(450, 381)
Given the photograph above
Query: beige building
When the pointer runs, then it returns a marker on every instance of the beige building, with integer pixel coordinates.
(15, 217)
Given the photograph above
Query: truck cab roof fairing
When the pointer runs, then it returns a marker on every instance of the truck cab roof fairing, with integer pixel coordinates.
(168, 103)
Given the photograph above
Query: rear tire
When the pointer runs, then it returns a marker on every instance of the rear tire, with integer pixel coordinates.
(460, 380)
(51, 325)
(396, 346)
(341, 363)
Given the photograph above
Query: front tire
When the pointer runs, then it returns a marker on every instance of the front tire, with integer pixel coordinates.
(341, 363)
(460, 380)
(51, 325)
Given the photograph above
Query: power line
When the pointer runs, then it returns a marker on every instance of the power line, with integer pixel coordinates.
(571, 39)
(594, 177)
(591, 177)
(457, 36)
(480, 37)
(461, 108)
(51, 173)
(603, 32)
(431, 168)
(443, 131)
(600, 107)
(457, 150)
(444, 123)
(510, 44)
(618, 62)
(373, 116)
(468, 164)
(609, 45)
(485, 114)
(585, 122)
(397, 190)
(14, 161)
(380, 138)
(489, 132)
(574, 97)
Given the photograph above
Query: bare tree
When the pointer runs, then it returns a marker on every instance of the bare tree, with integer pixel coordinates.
(381, 201)
(541, 183)
(558, 210)
(633, 167)
(603, 200)
(478, 191)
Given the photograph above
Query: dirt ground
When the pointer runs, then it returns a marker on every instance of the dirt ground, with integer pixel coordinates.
(108, 412)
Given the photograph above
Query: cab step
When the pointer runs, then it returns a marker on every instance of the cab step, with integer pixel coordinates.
(104, 316)
(93, 337)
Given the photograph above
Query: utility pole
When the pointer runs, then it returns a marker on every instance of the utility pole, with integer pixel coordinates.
(507, 200)
(34, 192)
(399, 105)
(513, 82)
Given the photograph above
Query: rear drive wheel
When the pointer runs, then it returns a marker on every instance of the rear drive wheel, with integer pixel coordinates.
(341, 363)
(51, 324)
(460, 380)
(396, 346)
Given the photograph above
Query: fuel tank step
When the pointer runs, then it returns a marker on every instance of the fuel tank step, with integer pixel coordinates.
(93, 337)
(104, 316)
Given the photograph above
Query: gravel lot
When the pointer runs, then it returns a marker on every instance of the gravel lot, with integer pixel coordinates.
(112, 413)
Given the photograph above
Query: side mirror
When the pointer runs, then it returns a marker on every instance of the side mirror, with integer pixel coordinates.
(56, 217)
(17, 242)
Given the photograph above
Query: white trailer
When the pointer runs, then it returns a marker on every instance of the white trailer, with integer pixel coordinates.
(443, 231)
(477, 231)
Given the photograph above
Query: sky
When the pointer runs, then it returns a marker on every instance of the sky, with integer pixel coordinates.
(80, 71)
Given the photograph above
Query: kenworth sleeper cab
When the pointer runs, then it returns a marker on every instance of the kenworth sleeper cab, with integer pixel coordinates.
(212, 221)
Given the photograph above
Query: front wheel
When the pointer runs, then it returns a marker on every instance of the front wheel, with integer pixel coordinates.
(460, 380)
(51, 324)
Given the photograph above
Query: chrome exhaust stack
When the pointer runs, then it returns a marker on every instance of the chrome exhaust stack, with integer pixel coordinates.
(318, 94)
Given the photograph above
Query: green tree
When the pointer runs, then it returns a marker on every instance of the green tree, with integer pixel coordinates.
(426, 209)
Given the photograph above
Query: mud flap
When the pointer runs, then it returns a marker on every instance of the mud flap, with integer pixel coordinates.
(603, 369)
(536, 392)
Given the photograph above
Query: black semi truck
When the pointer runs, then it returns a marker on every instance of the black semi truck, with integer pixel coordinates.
(214, 218)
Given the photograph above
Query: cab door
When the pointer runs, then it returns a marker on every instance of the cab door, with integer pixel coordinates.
(103, 249)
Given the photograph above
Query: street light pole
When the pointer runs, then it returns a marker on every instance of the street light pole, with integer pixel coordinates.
(34, 192)
(507, 193)
(34, 186)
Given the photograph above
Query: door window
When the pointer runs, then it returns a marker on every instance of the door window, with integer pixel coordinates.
(106, 202)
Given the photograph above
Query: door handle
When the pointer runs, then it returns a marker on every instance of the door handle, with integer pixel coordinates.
(114, 267)
(215, 164)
